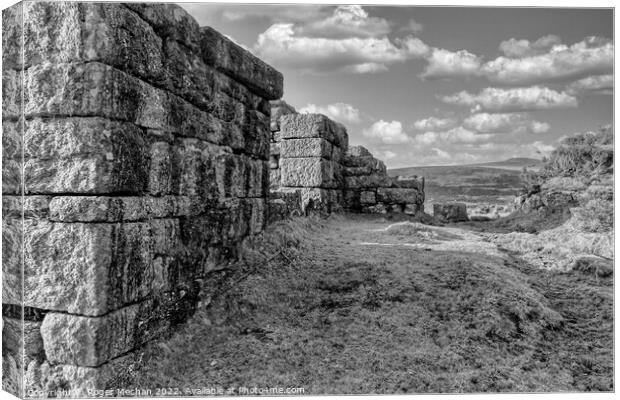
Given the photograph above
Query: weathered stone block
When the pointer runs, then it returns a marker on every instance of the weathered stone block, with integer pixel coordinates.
(194, 169)
(77, 89)
(357, 171)
(375, 180)
(60, 32)
(398, 195)
(368, 197)
(412, 182)
(324, 200)
(160, 169)
(119, 209)
(91, 341)
(169, 21)
(12, 140)
(12, 242)
(352, 199)
(308, 172)
(77, 381)
(454, 212)
(412, 209)
(85, 269)
(365, 161)
(12, 177)
(30, 206)
(12, 91)
(297, 126)
(358, 151)
(84, 155)
(232, 175)
(12, 38)
(310, 147)
(240, 64)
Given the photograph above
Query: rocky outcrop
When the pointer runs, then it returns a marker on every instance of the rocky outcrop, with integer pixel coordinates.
(140, 143)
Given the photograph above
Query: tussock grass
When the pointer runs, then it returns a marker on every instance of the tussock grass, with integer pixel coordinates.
(334, 317)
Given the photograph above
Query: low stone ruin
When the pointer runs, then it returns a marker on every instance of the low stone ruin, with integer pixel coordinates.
(368, 188)
(450, 212)
(311, 158)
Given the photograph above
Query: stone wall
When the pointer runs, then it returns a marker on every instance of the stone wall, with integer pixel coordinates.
(369, 189)
(310, 157)
(311, 151)
(135, 161)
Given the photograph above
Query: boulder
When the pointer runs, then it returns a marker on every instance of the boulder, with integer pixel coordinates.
(451, 212)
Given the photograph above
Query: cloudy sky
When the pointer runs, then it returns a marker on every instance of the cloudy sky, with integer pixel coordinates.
(436, 85)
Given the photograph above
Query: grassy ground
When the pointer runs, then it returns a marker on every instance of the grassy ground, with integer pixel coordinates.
(355, 304)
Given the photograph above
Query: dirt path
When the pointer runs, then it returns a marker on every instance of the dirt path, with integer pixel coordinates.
(355, 304)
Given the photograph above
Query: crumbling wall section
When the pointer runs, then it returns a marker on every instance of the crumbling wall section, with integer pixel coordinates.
(311, 159)
(135, 161)
(368, 188)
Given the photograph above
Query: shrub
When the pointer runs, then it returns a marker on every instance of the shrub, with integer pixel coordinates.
(582, 155)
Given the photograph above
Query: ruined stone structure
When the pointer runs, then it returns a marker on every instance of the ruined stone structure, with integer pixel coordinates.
(136, 160)
(450, 212)
(369, 189)
(310, 157)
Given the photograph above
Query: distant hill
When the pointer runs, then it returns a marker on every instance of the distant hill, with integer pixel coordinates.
(489, 183)
(513, 163)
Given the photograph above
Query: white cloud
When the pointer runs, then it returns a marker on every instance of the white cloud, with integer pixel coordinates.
(591, 56)
(448, 64)
(514, 99)
(441, 153)
(385, 154)
(504, 123)
(387, 132)
(542, 148)
(340, 112)
(413, 26)
(602, 84)
(451, 136)
(462, 135)
(524, 48)
(273, 12)
(346, 21)
(434, 123)
(348, 40)
(539, 127)
(218, 14)
(525, 62)
(427, 138)
(280, 45)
